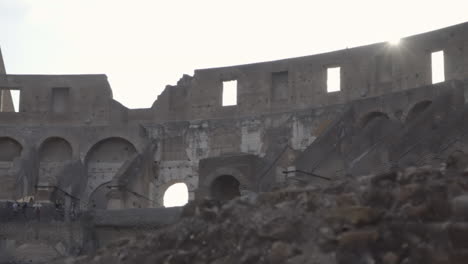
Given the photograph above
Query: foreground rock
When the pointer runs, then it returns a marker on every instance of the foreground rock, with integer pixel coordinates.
(416, 215)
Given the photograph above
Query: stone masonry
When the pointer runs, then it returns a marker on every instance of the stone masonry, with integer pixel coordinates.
(69, 133)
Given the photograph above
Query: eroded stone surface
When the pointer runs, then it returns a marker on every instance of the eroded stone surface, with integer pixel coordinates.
(311, 225)
(71, 142)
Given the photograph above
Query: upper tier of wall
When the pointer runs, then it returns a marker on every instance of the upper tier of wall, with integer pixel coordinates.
(300, 83)
(62, 99)
(262, 88)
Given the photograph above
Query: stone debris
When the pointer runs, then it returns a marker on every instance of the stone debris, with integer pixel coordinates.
(414, 215)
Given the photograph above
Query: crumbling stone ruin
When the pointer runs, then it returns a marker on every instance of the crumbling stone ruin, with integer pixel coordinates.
(320, 121)
(416, 215)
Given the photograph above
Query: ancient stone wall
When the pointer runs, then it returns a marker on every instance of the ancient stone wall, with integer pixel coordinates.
(301, 83)
(74, 136)
(392, 131)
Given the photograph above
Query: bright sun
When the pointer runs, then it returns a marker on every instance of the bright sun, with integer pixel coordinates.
(395, 41)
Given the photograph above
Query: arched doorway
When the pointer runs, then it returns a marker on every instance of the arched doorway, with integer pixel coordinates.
(55, 149)
(371, 117)
(10, 149)
(53, 154)
(176, 195)
(417, 109)
(225, 187)
(104, 161)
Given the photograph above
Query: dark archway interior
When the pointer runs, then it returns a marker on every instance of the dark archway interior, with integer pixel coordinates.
(9, 149)
(55, 149)
(417, 109)
(225, 187)
(372, 117)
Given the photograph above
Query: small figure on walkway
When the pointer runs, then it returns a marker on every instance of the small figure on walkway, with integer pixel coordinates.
(24, 208)
(15, 207)
(37, 210)
(59, 210)
(73, 211)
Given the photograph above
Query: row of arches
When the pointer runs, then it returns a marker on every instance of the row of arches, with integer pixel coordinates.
(102, 162)
(415, 111)
(59, 149)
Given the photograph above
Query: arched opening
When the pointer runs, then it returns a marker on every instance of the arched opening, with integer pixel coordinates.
(417, 109)
(54, 153)
(225, 187)
(111, 150)
(176, 195)
(371, 117)
(104, 161)
(55, 150)
(9, 149)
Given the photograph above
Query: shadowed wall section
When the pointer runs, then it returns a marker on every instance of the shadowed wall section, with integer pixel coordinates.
(54, 155)
(10, 149)
(285, 119)
(103, 162)
(225, 187)
(417, 109)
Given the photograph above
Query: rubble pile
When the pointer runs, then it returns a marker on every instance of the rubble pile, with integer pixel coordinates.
(415, 215)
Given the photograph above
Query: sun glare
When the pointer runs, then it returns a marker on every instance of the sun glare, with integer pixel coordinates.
(395, 41)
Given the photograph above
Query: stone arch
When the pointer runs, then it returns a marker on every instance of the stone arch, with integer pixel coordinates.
(159, 187)
(371, 116)
(113, 149)
(417, 109)
(228, 171)
(168, 190)
(55, 149)
(104, 160)
(54, 154)
(225, 187)
(233, 175)
(9, 149)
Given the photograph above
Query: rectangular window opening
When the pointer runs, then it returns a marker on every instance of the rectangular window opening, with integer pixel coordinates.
(60, 100)
(280, 86)
(15, 96)
(230, 93)
(437, 63)
(10, 100)
(333, 79)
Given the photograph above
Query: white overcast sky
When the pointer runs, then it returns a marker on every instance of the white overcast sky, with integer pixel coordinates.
(144, 45)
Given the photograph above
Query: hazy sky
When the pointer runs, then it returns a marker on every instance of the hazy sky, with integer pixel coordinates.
(144, 45)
